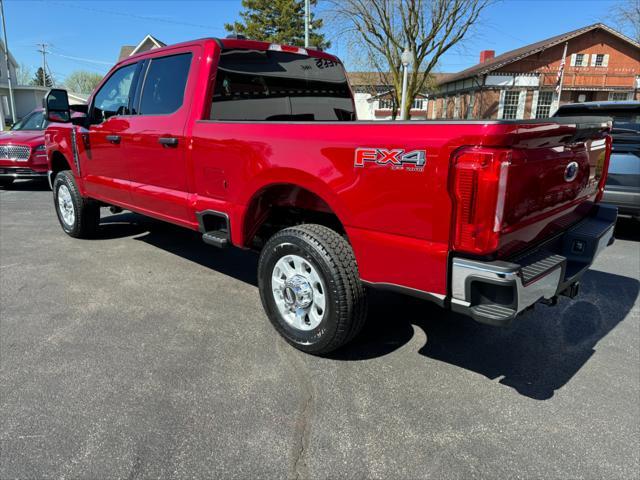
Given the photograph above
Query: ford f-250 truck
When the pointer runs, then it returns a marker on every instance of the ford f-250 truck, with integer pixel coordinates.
(256, 145)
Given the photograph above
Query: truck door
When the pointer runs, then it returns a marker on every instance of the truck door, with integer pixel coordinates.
(157, 146)
(105, 168)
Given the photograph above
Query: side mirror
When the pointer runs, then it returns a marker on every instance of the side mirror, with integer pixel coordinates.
(57, 106)
(79, 108)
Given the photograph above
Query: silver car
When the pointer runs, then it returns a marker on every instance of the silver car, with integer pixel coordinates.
(623, 183)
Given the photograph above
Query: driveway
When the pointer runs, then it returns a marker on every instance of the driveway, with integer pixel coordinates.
(146, 353)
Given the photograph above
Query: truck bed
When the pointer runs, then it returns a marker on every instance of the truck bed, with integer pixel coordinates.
(399, 217)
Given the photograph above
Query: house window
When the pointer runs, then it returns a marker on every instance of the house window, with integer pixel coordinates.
(618, 96)
(418, 104)
(579, 59)
(599, 59)
(385, 104)
(456, 107)
(510, 110)
(544, 104)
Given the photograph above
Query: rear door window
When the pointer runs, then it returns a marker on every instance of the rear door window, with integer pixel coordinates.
(255, 85)
(164, 84)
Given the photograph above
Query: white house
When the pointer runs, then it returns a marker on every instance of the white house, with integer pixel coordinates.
(27, 97)
(148, 43)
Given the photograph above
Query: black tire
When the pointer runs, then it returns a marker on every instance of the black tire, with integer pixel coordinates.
(86, 211)
(332, 257)
(5, 182)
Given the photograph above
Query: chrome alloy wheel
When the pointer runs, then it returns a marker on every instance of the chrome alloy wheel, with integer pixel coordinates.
(299, 292)
(65, 205)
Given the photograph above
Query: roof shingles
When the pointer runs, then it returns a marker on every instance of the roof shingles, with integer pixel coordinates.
(518, 53)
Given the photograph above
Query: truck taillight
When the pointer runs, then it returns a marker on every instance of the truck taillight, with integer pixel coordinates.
(288, 48)
(478, 190)
(605, 168)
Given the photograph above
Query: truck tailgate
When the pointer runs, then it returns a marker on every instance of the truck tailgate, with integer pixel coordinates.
(557, 170)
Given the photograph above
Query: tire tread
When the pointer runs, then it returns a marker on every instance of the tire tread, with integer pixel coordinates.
(339, 255)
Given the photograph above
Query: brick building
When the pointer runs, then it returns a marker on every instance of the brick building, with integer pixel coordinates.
(601, 64)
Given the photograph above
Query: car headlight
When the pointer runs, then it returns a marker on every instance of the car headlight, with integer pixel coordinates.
(41, 148)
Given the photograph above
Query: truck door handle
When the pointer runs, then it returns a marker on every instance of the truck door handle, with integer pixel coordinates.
(113, 138)
(168, 141)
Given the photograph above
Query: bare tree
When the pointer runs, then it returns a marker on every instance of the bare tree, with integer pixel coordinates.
(82, 81)
(626, 16)
(23, 74)
(428, 28)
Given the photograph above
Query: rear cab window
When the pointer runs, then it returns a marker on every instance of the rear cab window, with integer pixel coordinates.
(164, 85)
(256, 85)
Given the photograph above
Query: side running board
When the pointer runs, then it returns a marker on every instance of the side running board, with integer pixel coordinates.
(214, 227)
(218, 239)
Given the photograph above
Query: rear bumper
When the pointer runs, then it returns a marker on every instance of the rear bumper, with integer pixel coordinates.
(626, 200)
(21, 173)
(496, 292)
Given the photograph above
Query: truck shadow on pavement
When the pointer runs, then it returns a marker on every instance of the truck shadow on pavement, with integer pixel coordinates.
(628, 229)
(37, 185)
(536, 356)
(185, 243)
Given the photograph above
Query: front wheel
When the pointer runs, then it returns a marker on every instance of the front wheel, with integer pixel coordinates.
(78, 216)
(310, 288)
(5, 182)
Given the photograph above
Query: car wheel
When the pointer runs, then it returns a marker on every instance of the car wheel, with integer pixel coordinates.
(5, 182)
(78, 216)
(310, 288)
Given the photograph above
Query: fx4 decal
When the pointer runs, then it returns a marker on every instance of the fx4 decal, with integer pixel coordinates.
(396, 158)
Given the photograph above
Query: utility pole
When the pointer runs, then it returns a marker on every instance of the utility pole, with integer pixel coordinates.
(43, 51)
(307, 21)
(6, 60)
(406, 59)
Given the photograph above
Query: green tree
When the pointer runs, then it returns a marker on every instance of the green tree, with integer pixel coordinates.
(82, 81)
(42, 78)
(278, 21)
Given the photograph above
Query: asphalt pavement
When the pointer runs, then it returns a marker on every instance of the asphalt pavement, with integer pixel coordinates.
(146, 353)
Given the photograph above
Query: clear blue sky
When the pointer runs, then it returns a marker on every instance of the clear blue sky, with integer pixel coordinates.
(93, 31)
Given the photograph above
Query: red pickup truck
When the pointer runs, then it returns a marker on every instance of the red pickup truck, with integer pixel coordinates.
(256, 145)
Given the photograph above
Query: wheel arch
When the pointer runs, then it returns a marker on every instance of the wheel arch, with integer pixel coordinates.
(57, 163)
(280, 204)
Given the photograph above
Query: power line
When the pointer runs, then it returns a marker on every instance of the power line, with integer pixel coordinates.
(80, 59)
(139, 17)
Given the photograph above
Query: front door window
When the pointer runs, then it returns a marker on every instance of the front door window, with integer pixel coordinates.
(113, 97)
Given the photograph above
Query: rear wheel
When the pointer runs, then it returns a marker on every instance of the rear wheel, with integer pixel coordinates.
(5, 182)
(78, 216)
(311, 289)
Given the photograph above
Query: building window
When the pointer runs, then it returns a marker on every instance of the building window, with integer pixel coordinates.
(456, 107)
(579, 59)
(510, 110)
(544, 104)
(385, 104)
(418, 104)
(619, 96)
(599, 60)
